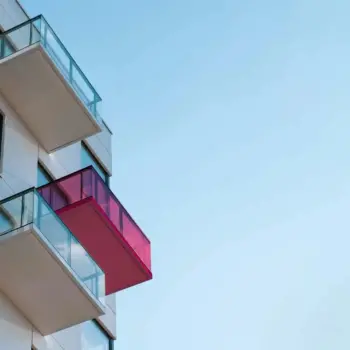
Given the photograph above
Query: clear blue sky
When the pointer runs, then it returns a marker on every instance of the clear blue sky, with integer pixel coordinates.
(231, 125)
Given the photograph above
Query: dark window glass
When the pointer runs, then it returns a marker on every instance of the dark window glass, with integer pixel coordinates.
(43, 177)
(95, 338)
(87, 158)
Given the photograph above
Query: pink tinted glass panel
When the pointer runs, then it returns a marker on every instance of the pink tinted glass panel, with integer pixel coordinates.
(87, 183)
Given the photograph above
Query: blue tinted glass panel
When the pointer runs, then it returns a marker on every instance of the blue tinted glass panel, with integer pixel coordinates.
(94, 338)
(5, 222)
(87, 159)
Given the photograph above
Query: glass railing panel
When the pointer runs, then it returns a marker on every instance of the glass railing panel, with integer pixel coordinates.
(29, 207)
(136, 239)
(11, 214)
(52, 228)
(16, 211)
(82, 87)
(86, 268)
(8, 50)
(5, 48)
(69, 68)
(102, 193)
(115, 214)
(38, 30)
(56, 51)
(19, 39)
(67, 245)
(88, 183)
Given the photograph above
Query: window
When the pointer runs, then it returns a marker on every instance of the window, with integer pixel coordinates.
(87, 158)
(43, 177)
(95, 338)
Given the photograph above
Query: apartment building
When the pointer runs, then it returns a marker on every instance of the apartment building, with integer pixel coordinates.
(67, 244)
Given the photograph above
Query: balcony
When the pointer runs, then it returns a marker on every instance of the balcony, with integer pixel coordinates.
(43, 83)
(103, 226)
(44, 269)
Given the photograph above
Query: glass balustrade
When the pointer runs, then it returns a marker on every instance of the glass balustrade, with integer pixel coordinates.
(29, 207)
(38, 31)
(88, 183)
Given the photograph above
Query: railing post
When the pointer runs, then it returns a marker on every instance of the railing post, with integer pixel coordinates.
(91, 182)
(96, 187)
(2, 52)
(81, 184)
(95, 108)
(108, 199)
(71, 71)
(31, 33)
(45, 30)
(22, 209)
(39, 214)
(96, 285)
(121, 218)
(69, 258)
(50, 197)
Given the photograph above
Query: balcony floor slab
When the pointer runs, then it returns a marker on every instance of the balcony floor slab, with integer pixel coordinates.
(40, 283)
(36, 89)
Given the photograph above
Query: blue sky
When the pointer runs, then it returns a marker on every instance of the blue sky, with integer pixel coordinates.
(231, 149)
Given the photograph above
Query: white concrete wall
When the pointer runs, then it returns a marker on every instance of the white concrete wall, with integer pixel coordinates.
(18, 171)
(71, 338)
(108, 321)
(15, 330)
(44, 343)
(11, 14)
(21, 154)
(101, 146)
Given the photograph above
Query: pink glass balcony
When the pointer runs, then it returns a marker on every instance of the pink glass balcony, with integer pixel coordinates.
(96, 217)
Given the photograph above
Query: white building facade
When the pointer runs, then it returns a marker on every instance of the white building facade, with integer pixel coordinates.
(67, 245)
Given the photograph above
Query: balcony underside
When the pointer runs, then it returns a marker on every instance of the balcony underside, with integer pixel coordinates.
(121, 265)
(41, 285)
(39, 93)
